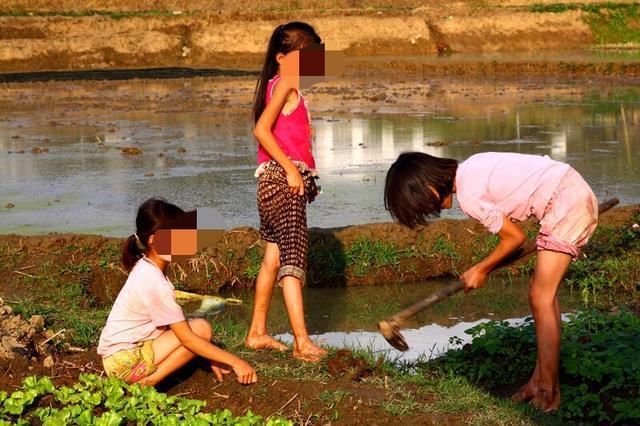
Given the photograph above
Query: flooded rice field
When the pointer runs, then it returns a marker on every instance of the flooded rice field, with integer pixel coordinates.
(63, 168)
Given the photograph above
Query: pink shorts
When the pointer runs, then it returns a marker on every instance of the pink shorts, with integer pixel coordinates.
(570, 217)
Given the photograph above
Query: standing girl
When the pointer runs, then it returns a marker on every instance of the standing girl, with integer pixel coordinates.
(146, 337)
(286, 182)
(498, 189)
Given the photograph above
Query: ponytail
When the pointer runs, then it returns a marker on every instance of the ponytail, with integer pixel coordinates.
(131, 252)
(153, 214)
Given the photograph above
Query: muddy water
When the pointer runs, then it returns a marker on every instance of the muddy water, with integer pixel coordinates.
(347, 317)
(196, 158)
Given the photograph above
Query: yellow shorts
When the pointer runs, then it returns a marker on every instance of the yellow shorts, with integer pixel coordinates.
(131, 365)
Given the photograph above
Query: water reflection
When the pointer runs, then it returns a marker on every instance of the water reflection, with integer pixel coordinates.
(347, 316)
(428, 341)
(85, 184)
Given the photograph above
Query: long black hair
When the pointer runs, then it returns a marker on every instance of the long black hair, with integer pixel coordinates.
(153, 214)
(407, 190)
(285, 38)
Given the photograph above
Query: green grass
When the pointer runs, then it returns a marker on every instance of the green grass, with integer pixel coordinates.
(444, 247)
(66, 307)
(611, 23)
(59, 293)
(585, 7)
(329, 262)
(254, 255)
(486, 244)
(331, 399)
(400, 403)
(365, 254)
(455, 395)
(610, 270)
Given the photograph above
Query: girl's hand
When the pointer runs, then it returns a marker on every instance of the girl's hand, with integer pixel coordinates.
(473, 278)
(294, 179)
(220, 370)
(246, 374)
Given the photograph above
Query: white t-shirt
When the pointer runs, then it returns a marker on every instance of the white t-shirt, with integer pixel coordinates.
(144, 308)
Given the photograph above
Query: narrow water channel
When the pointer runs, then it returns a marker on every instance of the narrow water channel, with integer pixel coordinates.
(347, 317)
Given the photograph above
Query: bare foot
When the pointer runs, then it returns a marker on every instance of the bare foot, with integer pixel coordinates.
(264, 342)
(309, 352)
(526, 392)
(546, 401)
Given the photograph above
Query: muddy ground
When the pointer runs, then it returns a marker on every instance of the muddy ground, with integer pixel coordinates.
(71, 35)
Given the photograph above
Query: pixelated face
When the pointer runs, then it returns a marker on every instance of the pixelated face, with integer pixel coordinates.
(305, 67)
(195, 231)
(176, 244)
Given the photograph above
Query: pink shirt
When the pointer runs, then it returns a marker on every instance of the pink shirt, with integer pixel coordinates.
(292, 132)
(492, 185)
(144, 308)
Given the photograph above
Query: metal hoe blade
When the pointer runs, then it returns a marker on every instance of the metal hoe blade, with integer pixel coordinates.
(391, 332)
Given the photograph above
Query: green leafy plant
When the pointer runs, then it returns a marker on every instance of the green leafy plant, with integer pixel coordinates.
(600, 374)
(111, 402)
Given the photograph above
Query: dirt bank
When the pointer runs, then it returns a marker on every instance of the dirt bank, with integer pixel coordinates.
(38, 36)
(371, 254)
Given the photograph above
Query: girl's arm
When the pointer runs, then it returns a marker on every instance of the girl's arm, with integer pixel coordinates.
(262, 132)
(199, 346)
(511, 237)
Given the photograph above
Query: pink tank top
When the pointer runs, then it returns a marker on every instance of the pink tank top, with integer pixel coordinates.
(292, 132)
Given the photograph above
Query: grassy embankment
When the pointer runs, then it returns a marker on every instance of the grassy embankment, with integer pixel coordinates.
(613, 24)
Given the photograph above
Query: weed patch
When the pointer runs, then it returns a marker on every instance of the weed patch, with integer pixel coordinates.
(600, 375)
(612, 266)
(611, 23)
(400, 404)
(442, 246)
(254, 256)
(365, 254)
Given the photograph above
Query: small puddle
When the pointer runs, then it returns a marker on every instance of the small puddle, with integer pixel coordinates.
(348, 317)
(425, 343)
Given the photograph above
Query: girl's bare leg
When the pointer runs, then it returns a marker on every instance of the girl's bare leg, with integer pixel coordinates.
(529, 390)
(303, 347)
(169, 354)
(549, 271)
(258, 337)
